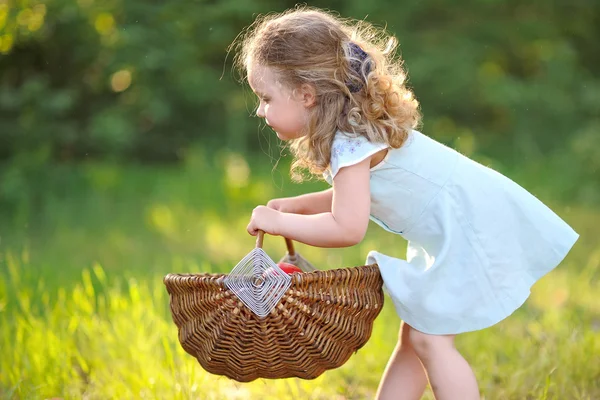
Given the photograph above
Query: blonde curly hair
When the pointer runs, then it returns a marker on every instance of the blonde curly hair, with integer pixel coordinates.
(357, 94)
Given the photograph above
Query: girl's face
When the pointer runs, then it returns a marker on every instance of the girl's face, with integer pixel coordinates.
(286, 111)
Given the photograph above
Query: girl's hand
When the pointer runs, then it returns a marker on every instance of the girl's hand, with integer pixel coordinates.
(265, 219)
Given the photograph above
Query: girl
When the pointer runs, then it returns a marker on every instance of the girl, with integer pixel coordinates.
(477, 241)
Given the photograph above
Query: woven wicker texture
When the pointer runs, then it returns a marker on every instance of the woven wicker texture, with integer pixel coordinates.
(322, 319)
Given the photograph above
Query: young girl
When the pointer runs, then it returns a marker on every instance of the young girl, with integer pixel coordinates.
(477, 241)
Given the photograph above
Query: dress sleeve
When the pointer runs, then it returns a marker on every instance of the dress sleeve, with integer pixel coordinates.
(347, 150)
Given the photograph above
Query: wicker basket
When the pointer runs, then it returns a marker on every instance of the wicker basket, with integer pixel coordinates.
(322, 319)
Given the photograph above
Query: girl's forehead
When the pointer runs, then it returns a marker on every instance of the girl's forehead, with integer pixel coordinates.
(262, 77)
(259, 75)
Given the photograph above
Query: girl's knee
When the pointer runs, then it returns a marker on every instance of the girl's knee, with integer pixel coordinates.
(426, 345)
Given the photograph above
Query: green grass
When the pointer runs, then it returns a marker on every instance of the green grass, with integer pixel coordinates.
(84, 313)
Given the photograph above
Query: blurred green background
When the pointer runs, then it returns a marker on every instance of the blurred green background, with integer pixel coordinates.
(128, 150)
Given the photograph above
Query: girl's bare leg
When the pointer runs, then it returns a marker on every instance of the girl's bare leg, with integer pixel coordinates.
(404, 377)
(450, 376)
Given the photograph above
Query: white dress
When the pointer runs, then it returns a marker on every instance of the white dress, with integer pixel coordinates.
(477, 241)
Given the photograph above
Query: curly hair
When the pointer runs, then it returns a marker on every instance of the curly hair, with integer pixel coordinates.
(361, 94)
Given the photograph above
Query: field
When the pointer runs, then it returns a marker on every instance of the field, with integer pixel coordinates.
(84, 313)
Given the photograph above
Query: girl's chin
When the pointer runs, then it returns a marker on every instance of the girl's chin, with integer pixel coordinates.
(281, 136)
(286, 137)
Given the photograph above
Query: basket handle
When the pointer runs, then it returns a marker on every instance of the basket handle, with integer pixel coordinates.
(288, 242)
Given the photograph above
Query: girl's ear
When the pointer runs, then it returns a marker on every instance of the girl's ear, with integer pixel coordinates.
(308, 95)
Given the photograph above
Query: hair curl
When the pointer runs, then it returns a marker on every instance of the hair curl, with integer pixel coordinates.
(310, 46)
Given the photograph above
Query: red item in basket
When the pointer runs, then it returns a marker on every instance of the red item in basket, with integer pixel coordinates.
(288, 268)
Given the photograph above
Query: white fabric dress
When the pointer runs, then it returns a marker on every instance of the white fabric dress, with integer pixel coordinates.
(477, 241)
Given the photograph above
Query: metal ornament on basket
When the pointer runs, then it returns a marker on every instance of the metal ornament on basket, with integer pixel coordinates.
(257, 281)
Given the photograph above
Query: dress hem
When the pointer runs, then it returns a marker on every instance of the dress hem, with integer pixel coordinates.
(512, 302)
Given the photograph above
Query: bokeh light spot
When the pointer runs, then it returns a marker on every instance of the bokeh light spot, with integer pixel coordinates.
(6, 43)
(120, 80)
(105, 23)
(237, 171)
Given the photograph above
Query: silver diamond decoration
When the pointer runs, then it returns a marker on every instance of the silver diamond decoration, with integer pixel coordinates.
(258, 282)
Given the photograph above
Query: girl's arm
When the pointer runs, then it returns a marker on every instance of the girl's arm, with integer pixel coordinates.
(311, 203)
(346, 223)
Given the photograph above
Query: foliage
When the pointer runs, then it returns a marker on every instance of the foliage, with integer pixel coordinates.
(514, 84)
(109, 111)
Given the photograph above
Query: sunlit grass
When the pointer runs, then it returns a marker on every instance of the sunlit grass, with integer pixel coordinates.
(84, 313)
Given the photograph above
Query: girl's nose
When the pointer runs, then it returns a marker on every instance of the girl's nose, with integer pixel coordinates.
(260, 111)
